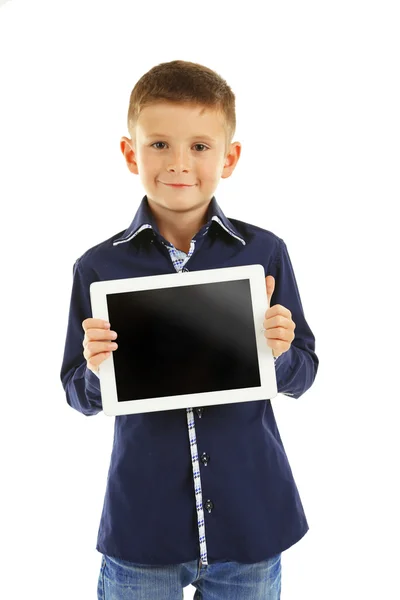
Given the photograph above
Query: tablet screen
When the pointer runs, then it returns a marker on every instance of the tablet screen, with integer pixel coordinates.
(184, 340)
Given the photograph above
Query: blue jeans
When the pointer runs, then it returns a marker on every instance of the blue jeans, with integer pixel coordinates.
(122, 580)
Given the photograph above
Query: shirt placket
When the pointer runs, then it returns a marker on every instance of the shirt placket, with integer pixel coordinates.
(179, 259)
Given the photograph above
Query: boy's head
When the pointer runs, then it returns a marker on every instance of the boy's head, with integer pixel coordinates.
(181, 120)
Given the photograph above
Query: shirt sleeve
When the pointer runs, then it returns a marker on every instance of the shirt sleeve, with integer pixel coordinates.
(81, 385)
(297, 368)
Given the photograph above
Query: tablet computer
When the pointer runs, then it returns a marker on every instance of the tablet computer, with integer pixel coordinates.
(185, 340)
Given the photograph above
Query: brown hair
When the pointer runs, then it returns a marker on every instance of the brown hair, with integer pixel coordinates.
(180, 82)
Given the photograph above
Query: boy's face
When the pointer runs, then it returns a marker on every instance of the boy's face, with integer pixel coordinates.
(176, 144)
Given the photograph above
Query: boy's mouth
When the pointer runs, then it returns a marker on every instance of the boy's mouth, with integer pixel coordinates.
(178, 184)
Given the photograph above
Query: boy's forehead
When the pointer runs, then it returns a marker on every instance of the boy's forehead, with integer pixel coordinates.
(161, 118)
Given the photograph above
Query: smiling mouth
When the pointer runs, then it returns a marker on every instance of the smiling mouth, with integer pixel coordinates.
(178, 184)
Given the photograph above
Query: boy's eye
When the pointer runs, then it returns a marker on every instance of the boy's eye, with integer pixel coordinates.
(202, 145)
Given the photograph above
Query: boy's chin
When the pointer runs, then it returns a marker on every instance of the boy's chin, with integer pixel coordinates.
(177, 202)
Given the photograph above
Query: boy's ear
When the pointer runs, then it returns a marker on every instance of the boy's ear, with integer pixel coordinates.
(231, 159)
(129, 154)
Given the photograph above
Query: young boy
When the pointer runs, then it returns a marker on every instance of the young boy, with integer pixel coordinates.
(200, 496)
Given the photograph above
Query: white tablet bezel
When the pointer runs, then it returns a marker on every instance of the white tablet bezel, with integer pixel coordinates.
(108, 388)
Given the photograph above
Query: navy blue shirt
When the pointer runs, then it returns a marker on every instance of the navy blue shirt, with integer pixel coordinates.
(214, 482)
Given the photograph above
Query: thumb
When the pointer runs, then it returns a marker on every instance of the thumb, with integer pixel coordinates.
(270, 285)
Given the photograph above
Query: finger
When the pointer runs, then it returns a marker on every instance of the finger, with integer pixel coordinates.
(279, 334)
(278, 345)
(278, 309)
(100, 334)
(91, 323)
(270, 285)
(279, 321)
(96, 361)
(93, 348)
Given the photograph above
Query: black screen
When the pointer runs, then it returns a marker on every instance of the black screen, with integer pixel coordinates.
(184, 340)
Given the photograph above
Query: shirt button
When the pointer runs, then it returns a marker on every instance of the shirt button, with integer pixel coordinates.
(199, 411)
(205, 458)
(209, 505)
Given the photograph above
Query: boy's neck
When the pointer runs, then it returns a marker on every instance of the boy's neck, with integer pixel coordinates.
(180, 228)
(178, 234)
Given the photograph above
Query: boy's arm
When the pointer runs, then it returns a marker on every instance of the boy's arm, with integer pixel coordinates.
(81, 385)
(295, 369)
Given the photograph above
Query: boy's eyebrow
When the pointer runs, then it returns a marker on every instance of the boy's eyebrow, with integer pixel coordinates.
(195, 137)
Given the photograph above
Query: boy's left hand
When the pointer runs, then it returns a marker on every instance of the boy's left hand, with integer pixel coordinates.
(278, 324)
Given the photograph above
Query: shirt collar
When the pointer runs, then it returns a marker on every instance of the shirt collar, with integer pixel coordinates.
(144, 219)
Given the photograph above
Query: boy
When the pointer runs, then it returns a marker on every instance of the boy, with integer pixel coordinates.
(199, 496)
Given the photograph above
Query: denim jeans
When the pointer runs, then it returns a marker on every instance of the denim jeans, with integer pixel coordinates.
(122, 580)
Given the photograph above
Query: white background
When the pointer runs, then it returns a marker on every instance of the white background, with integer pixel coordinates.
(317, 92)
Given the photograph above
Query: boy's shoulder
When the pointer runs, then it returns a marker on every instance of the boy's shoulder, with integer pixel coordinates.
(99, 251)
(254, 232)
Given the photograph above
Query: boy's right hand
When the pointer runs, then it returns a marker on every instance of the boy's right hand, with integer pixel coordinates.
(97, 342)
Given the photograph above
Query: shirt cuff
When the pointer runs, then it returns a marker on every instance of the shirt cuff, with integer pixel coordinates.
(92, 379)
